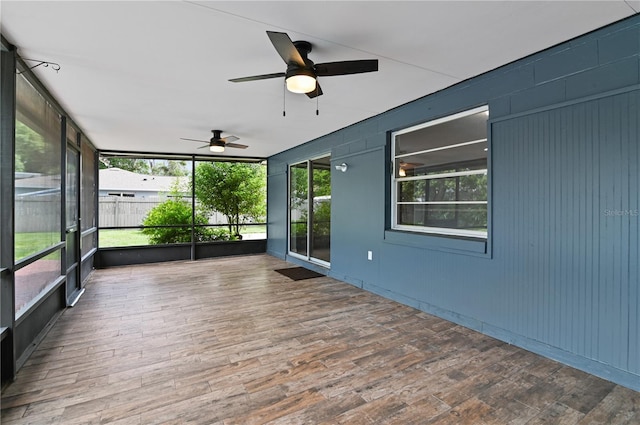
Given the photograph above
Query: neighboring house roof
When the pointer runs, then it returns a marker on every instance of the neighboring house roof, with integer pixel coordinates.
(35, 184)
(116, 179)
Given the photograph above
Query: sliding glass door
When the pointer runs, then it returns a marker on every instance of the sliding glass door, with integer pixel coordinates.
(310, 210)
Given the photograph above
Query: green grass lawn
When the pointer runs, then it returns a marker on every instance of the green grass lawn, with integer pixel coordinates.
(253, 229)
(30, 243)
(134, 237)
(122, 237)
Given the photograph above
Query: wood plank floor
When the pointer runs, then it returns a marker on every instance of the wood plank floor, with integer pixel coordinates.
(230, 341)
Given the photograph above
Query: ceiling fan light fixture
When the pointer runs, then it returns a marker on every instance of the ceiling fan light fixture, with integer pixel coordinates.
(302, 72)
(216, 146)
(303, 81)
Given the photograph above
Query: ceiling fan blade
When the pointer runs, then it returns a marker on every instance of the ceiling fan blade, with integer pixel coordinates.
(285, 47)
(205, 146)
(257, 77)
(410, 165)
(346, 67)
(235, 145)
(230, 139)
(317, 92)
(195, 140)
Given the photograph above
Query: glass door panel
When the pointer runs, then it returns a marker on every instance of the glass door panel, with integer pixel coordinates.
(321, 212)
(72, 224)
(298, 208)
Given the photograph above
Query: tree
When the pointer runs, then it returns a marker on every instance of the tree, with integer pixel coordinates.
(167, 167)
(32, 153)
(153, 167)
(235, 189)
(135, 165)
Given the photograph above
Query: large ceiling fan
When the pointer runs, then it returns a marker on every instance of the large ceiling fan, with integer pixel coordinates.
(302, 73)
(217, 143)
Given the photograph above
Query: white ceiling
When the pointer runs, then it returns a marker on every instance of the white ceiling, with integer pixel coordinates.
(139, 75)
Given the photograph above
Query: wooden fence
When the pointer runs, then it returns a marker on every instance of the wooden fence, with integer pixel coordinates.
(42, 214)
(37, 214)
(117, 211)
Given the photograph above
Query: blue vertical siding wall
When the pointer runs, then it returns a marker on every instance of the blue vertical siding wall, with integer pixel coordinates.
(559, 272)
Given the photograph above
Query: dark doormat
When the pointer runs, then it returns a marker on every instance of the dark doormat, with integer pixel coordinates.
(298, 273)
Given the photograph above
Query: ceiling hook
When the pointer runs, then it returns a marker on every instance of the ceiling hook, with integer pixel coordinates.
(46, 64)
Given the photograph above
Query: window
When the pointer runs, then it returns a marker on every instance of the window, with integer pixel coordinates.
(147, 200)
(37, 186)
(88, 199)
(440, 176)
(133, 195)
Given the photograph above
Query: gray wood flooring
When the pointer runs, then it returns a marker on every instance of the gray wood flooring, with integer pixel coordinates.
(230, 341)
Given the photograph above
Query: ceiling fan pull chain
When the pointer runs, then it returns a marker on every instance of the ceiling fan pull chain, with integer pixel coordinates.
(284, 100)
(317, 101)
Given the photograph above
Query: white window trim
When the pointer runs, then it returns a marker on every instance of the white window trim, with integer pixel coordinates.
(395, 180)
(442, 175)
(442, 203)
(441, 148)
(437, 121)
(442, 231)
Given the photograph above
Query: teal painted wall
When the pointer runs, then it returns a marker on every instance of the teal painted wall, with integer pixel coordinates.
(559, 272)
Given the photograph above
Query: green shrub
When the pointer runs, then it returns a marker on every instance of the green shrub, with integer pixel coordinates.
(206, 234)
(174, 212)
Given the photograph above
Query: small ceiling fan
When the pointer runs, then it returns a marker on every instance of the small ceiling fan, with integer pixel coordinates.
(302, 73)
(403, 167)
(217, 143)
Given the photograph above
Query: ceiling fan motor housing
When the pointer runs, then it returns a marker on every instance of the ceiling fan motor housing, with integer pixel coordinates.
(304, 47)
(298, 70)
(217, 136)
(293, 68)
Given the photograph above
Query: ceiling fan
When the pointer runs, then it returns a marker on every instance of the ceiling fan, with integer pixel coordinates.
(217, 143)
(302, 73)
(403, 167)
